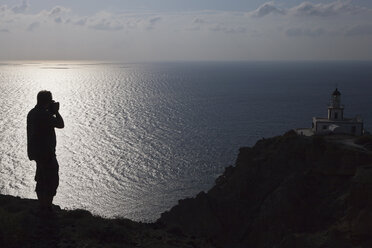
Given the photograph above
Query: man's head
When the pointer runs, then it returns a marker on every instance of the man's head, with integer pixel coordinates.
(44, 98)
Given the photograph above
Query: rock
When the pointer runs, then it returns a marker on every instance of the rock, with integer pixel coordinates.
(22, 225)
(287, 191)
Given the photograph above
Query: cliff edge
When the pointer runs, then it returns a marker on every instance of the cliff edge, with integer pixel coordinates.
(286, 191)
(23, 226)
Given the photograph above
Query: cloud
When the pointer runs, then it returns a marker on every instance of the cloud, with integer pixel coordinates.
(323, 10)
(295, 32)
(227, 22)
(228, 30)
(3, 8)
(198, 21)
(197, 24)
(150, 23)
(106, 25)
(57, 15)
(4, 30)
(21, 8)
(58, 20)
(267, 9)
(81, 21)
(270, 29)
(154, 20)
(139, 22)
(309, 9)
(33, 26)
(58, 10)
(360, 30)
(103, 21)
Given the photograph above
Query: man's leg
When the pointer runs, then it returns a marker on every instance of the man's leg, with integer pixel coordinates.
(40, 183)
(49, 201)
(42, 198)
(53, 181)
(47, 181)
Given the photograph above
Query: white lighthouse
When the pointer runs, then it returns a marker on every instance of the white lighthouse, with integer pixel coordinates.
(335, 122)
(335, 109)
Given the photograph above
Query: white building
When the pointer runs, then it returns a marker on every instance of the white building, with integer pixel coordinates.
(335, 122)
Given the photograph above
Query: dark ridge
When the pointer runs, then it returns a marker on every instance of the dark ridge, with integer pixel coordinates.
(23, 225)
(286, 191)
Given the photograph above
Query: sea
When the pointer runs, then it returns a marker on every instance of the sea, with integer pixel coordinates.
(138, 137)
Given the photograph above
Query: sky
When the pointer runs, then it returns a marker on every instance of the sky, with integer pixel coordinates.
(180, 30)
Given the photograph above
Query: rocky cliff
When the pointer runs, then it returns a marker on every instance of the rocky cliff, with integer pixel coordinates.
(22, 225)
(286, 191)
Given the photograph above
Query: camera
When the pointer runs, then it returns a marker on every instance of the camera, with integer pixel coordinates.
(54, 107)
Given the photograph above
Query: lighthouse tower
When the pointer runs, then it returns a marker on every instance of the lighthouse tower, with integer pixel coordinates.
(335, 122)
(335, 109)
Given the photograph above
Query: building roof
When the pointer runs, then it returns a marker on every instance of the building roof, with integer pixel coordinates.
(345, 120)
(336, 93)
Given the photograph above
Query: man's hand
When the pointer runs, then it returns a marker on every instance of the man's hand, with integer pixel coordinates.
(55, 107)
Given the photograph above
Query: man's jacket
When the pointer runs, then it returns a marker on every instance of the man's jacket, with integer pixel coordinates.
(41, 137)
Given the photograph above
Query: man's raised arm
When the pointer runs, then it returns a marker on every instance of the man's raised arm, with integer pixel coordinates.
(58, 121)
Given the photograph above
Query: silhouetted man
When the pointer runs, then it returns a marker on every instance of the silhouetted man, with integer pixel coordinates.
(41, 146)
